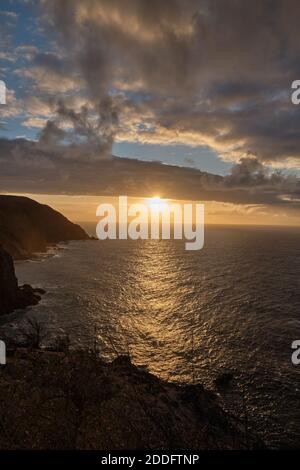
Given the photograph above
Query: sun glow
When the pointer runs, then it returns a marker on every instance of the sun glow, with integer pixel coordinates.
(157, 204)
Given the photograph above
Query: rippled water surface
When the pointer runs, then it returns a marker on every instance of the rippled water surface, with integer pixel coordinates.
(235, 305)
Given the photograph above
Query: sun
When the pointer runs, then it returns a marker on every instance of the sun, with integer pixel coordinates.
(157, 204)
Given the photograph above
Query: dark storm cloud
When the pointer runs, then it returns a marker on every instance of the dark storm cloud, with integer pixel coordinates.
(80, 133)
(251, 173)
(199, 72)
(45, 169)
(217, 71)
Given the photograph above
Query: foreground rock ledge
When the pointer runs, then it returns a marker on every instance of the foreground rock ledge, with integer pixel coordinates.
(74, 400)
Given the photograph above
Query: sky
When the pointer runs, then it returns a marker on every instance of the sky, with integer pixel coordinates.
(188, 99)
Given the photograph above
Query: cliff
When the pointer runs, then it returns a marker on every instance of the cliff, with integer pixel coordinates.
(27, 227)
(76, 401)
(11, 295)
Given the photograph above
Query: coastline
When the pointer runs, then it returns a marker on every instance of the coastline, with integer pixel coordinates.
(173, 415)
(77, 401)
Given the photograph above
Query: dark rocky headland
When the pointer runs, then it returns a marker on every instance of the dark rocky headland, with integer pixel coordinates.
(27, 227)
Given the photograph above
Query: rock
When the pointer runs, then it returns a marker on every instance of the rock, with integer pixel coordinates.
(11, 295)
(108, 406)
(27, 296)
(40, 291)
(8, 283)
(27, 227)
(224, 380)
(122, 361)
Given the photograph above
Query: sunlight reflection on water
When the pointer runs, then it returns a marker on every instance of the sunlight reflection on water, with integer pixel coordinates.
(232, 306)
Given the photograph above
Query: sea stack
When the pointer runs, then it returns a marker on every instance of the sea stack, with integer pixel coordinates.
(11, 295)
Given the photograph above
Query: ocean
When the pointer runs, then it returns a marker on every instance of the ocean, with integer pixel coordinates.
(188, 316)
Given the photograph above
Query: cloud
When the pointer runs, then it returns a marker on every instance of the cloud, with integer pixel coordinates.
(48, 80)
(87, 132)
(212, 73)
(250, 174)
(27, 51)
(7, 56)
(9, 14)
(14, 108)
(42, 167)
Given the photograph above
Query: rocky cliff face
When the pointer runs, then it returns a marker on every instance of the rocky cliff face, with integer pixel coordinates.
(107, 406)
(27, 227)
(8, 282)
(11, 295)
